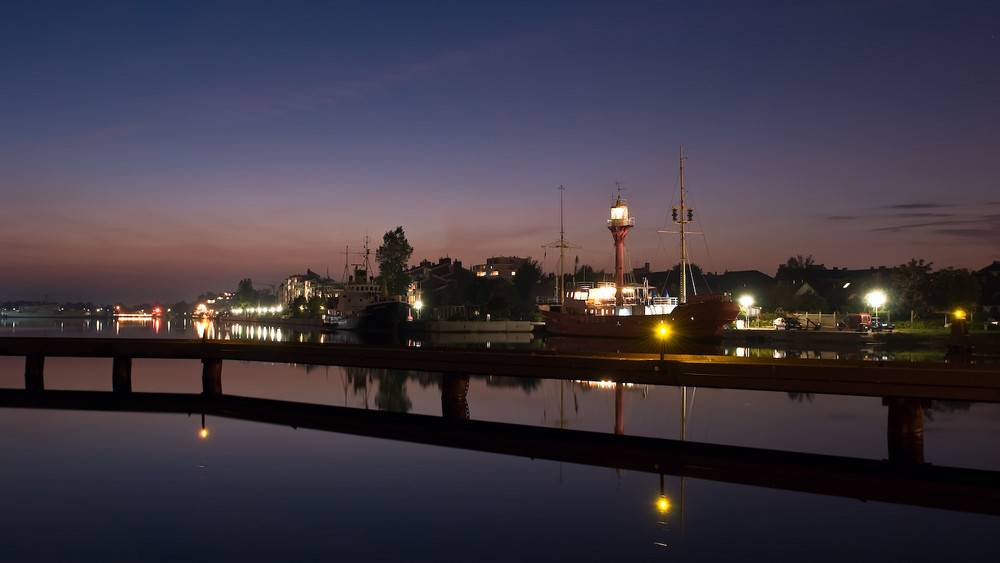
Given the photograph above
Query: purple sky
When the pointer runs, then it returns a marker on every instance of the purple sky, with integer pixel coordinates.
(156, 150)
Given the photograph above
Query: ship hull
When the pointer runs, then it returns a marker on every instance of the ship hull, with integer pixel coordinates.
(691, 320)
(390, 317)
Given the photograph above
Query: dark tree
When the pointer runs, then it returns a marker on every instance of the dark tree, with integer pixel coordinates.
(673, 281)
(955, 288)
(796, 269)
(800, 263)
(316, 307)
(392, 257)
(525, 279)
(246, 295)
(181, 308)
(912, 284)
(299, 308)
(492, 295)
(589, 274)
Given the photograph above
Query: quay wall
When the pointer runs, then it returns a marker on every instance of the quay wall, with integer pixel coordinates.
(478, 326)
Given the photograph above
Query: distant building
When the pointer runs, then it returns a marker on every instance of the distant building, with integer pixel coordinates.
(308, 285)
(501, 266)
(438, 283)
(434, 278)
(755, 283)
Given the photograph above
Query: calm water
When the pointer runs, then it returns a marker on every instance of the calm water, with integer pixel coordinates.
(98, 486)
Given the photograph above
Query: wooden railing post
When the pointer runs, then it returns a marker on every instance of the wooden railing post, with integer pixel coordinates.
(211, 376)
(34, 370)
(905, 430)
(121, 374)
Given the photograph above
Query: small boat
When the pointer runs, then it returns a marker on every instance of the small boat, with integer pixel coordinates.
(337, 322)
(635, 311)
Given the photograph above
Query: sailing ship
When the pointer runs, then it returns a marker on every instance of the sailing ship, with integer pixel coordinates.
(635, 310)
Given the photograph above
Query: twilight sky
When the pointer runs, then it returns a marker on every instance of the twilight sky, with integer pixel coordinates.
(157, 150)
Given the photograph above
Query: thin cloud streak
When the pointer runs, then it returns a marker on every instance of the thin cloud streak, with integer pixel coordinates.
(357, 88)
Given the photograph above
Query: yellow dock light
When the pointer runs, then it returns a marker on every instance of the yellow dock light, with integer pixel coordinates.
(663, 333)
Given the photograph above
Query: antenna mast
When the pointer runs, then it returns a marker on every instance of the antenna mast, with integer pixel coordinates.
(682, 216)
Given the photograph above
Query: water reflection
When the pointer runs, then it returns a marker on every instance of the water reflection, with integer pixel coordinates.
(208, 328)
(303, 475)
(888, 480)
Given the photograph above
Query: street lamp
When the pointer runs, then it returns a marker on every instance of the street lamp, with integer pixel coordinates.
(662, 332)
(746, 301)
(875, 299)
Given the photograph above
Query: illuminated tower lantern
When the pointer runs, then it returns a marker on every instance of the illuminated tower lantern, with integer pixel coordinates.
(619, 225)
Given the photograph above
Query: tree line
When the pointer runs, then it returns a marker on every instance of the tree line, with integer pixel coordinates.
(913, 289)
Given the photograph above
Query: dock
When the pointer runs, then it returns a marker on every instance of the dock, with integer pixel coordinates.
(910, 380)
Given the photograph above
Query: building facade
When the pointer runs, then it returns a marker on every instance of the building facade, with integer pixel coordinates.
(501, 266)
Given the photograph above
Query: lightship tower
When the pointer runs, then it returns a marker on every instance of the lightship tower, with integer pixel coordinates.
(619, 224)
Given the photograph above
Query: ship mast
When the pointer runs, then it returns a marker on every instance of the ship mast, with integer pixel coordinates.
(562, 244)
(562, 250)
(682, 216)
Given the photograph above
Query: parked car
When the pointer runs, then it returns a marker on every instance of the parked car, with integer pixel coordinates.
(787, 323)
(860, 322)
(879, 326)
(992, 324)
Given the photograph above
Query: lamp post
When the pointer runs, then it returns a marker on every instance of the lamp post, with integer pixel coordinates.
(746, 302)
(875, 299)
(662, 332)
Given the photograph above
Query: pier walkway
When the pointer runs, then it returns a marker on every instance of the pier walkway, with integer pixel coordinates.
(909, 380)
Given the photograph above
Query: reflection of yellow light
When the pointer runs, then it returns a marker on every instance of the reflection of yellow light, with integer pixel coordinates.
(204, 433)
(959, 314)
(663, 504)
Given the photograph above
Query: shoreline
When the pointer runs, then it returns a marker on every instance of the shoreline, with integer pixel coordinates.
(903, 338)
